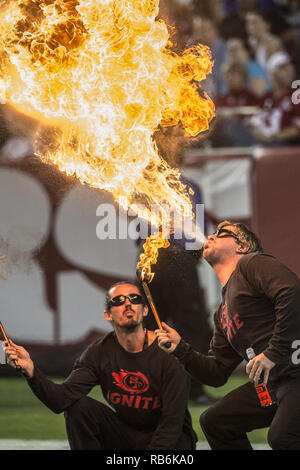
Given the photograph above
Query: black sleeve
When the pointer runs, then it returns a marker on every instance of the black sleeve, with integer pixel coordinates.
(59, 397)
(174, 396)
(215, 368)
(282, 287)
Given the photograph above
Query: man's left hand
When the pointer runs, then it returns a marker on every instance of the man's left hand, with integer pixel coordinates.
(259, 366)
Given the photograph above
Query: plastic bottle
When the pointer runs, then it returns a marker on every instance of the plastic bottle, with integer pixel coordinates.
(265, 394)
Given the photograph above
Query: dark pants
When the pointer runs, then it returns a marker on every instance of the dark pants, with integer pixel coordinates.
(226, 423)
(91, 425)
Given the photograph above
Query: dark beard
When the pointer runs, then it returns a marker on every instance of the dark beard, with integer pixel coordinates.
(212, 259)
(130, 326)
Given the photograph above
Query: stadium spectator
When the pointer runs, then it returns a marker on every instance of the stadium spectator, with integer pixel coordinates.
(232, 109)
(256, 80)
(236, 76)
(146, 388)
(260, 39)
(205, 31)
(278, 122)
(233, 23)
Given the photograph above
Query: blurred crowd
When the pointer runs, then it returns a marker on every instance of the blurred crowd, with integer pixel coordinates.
(255, 46)
(255, 81)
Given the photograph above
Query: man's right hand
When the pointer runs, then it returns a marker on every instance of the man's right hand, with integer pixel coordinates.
(19, 354)
(167, 335)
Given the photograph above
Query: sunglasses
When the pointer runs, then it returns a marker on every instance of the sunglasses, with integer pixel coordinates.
(224, 233)
(121, 299)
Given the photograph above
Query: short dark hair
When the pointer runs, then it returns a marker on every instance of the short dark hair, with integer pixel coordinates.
(120, 283)
(246, 236)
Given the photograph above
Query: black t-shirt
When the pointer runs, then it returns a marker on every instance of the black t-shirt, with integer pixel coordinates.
(260, 309)
(148, 390)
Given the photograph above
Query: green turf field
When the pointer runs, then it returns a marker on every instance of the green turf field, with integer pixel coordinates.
(23, 416)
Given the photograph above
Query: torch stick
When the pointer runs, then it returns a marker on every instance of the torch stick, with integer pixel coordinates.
(18, 368)
(141, 276)
(153, 308)
(151, 303)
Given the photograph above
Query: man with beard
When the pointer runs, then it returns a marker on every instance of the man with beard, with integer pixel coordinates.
(146, 387)
(260, 310)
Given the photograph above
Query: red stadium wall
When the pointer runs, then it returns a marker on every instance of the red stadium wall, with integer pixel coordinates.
(276, 202)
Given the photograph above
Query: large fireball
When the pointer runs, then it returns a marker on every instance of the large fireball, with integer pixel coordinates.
(101, 77)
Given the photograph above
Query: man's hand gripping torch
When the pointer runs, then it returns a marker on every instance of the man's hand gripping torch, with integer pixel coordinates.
(18, 368)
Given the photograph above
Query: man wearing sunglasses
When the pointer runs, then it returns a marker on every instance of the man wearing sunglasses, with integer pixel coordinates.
(147, 388)
(260, 309)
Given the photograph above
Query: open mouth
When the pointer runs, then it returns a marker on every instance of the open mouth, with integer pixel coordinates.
(128, 313)
(207, 244)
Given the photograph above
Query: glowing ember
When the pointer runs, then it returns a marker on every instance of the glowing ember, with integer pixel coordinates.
(150, 255)
(101, 77)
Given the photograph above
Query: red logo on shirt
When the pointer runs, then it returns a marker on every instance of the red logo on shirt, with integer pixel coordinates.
(230, 325)
(132, 382)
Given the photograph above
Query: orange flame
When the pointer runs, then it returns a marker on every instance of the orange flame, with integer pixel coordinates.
(101, 77)
(150, 255)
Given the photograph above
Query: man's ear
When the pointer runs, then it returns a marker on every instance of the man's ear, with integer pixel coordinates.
(242, 249)
(107, 315)
(145, 311)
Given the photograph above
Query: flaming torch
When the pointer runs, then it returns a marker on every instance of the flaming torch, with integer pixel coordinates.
(144, 273)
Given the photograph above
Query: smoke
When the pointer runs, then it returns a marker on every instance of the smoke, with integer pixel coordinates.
(13, 260)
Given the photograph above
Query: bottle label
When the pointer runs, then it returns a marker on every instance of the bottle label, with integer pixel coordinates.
(250, 353)
(264, 395)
